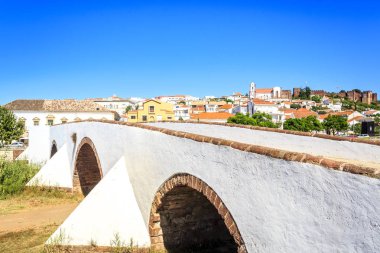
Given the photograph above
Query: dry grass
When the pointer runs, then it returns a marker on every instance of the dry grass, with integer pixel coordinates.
(27, 241)
(33, 197)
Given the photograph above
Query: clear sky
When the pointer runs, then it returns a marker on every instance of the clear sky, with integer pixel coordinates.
(89, 48)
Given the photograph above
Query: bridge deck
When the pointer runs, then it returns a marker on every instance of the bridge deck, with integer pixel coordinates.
(356, 153)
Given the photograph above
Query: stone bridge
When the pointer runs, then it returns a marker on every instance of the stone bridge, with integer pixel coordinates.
(191, 187)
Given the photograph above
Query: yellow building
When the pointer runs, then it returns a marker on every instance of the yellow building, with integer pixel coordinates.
(152, 111)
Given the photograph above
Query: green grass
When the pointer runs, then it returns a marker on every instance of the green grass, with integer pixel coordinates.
(14, 175)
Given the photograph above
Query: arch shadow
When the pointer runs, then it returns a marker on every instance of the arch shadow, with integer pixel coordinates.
(88, 171)
(54, 149)
(187, 215)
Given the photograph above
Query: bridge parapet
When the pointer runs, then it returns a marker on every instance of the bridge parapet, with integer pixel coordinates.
(280, 200)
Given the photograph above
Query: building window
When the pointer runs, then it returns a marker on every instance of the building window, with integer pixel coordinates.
(50, 120)
(169, 117)
(133, 117)
(36, 121)
(151, 109)
(144, 118)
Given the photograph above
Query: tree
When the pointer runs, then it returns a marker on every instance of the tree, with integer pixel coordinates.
(305, 93)
(229, 101)
(316, 99)
(377, 119)
(10, 128)
(264, 120)
(257, 119)
(128, 108)
(357, 128)
(308, 124)
(295, 106)
(334, 123)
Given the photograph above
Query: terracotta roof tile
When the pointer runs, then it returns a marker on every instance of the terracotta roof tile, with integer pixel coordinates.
(264, 90)
(226, 106)
(65, 105)
(258, 101)
(357, 118)
(303, 113)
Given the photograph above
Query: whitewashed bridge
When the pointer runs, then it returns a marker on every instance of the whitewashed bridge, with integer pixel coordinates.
(191, 187)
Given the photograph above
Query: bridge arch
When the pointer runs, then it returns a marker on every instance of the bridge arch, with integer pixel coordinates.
(54, 149)
(187, 215)
(88, 171)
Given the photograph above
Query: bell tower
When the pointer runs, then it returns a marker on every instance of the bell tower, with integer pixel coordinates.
(252, 90)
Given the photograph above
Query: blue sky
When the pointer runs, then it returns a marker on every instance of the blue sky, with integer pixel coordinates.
(81, 49)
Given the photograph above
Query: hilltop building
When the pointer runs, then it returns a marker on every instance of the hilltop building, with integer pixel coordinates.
(113, 103)
(274, 93)
(50, 112)
(151, 111)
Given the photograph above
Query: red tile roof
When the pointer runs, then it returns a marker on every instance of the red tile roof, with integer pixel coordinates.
(264, 90)
(226, 106)
(342, 113)
(258, 101)
(303, 113)
(357, 118)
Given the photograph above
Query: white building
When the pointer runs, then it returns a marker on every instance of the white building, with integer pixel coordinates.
(264, 93)
(114, 103)
(176, 98)
(182, 111)
(51, 112)
(269, 108)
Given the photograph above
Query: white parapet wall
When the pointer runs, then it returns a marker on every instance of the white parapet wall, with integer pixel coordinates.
(278, 205)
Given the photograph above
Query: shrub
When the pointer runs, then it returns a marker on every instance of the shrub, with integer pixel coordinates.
(14, 176)
(257, 119)
(308, 124)
(295, 106)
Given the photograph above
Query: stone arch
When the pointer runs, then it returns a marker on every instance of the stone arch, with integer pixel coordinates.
(54, 149)
(187, 215)
(88, 171)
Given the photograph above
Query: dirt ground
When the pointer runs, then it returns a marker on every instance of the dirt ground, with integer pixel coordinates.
(28, 220)
(35, 217)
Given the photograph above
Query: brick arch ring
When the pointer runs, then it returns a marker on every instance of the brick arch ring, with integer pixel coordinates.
(184, 179)
(86, 159)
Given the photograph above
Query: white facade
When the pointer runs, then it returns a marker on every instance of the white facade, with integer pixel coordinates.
(118, 106)
(211, 107)
(182, 112)
(276, 92)
(176, 99)
(271, 109)
(335, 107)
(252, 90)
(43, 118)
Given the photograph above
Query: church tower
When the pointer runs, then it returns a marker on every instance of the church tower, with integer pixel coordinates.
(252, 90)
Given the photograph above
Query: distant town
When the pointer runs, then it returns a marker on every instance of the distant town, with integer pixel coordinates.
(302, 109)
